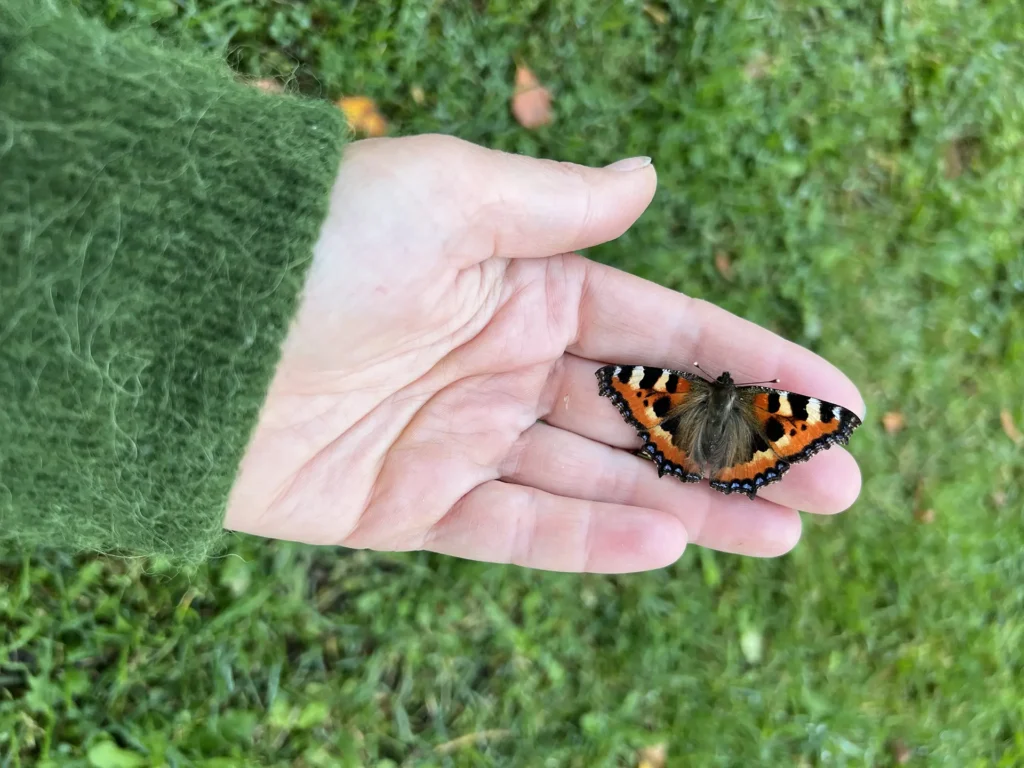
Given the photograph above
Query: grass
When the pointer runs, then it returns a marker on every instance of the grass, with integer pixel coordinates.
(860, 165)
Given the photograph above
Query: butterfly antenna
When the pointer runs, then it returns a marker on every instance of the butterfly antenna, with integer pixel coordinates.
(755, 383)
(697, 366)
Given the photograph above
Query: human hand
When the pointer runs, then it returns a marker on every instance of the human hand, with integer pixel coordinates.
(437, 391)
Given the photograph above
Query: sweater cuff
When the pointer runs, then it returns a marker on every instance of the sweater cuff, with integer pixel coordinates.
(156, 222)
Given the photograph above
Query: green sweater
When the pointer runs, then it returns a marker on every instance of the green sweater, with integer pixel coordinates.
(156, 221)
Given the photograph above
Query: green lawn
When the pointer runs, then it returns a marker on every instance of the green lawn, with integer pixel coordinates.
(861, 166)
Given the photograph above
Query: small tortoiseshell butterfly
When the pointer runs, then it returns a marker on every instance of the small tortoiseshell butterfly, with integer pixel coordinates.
(741, 437)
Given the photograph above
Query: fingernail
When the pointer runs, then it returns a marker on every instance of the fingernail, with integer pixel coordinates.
(630, 164)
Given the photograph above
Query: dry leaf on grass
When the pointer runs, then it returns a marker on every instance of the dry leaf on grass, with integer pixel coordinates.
(658, 14)
(999, 499)
(893, 422)
(418, 95)
(1009, 428)
(362, 115)
(926, 516)
(901, 753)
(531, 102)
(653, 756)
(723, 264)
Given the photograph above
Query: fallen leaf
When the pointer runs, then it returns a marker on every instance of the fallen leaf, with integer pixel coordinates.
(417, 95)
(900, 752)
(531, 102)
(362, 115)
(653, 756)
(999, 499)
(893, 422)
(269, 85)
(656, 12)
(723, 264)
(926, 516)
(758, 66)
(1009, 428)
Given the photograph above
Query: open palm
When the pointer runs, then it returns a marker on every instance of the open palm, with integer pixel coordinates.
(437, 390)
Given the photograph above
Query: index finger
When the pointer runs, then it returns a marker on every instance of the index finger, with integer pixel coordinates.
(628, 320)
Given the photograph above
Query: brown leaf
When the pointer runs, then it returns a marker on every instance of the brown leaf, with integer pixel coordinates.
(362, 115)
(723, 264)
(999, 499)
(1009, 428)
(926, 516)
(653, 756)
(418, 95)
(893, 422)
(656, 12)
(531, 102)
(901, 753)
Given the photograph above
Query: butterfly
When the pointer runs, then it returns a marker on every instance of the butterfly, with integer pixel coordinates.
(741, 438)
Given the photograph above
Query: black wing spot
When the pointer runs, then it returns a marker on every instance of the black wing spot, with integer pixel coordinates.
(671, 384)
(803, 427)
(662, 406)
(826, 413)
(773, 429)
(671, 425)
(773, 402)
(650, 378)
(646, 403)
(798, 405)
(792, 433)
(759, 445)
(625, 373)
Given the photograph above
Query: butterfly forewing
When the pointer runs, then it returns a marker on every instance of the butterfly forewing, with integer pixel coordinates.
(648, 398)
(797, 426)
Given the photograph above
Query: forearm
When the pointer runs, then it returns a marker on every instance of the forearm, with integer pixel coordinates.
(156, 220)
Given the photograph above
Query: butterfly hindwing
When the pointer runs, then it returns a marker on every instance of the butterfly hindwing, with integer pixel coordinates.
(762, 468)
(645, 397)
(797, 426)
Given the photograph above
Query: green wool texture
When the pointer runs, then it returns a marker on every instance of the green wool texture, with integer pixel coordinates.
(157, 218)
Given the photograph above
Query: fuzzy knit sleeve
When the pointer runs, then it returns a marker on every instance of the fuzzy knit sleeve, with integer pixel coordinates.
(156, 221)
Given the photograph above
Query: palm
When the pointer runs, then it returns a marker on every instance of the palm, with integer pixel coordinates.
(438, 392)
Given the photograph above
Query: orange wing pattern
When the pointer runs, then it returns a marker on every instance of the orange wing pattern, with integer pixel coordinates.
(645, 396)
(793, 428)
(797, 426)
(763, 468)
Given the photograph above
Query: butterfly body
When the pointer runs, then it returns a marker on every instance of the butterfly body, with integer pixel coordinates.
(740, 437)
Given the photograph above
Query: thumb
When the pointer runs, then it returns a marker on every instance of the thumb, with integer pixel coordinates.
(528, 207)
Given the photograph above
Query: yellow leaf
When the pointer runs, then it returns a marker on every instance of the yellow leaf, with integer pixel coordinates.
(893, 422)
(362, 115)
(658, 14)
(653, 756)
(531, 102)
(723, 264)
(1009, 428)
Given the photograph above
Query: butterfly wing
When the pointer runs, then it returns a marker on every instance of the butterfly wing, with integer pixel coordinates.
(647, 399)
(797, 426)
(763, 467)
(791, 428)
